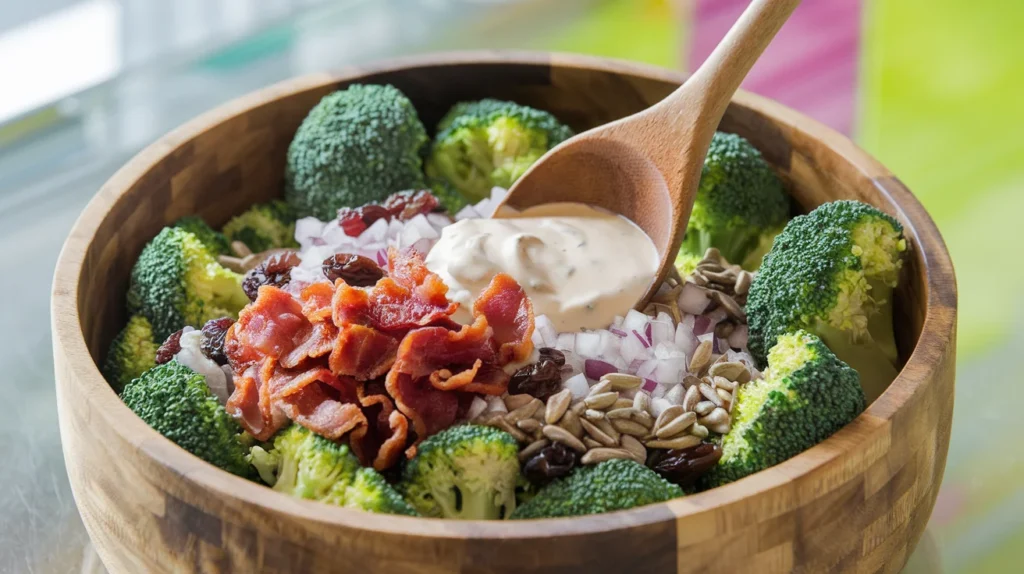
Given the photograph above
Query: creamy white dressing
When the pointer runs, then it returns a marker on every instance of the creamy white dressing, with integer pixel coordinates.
(579, 265)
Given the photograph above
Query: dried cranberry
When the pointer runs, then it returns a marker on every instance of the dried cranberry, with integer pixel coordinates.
(169, 348)
(685, 466)
(355, 220)
(356, 270)
(553, 461)
(275, 270)
(541, 379)
(213, 339)
(408, 204)
(553, 354)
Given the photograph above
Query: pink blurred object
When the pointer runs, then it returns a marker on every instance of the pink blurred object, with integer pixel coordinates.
(810, 66)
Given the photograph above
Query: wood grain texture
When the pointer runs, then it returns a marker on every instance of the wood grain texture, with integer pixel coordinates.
(858, 502)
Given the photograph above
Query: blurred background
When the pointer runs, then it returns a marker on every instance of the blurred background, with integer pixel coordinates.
(931, 87)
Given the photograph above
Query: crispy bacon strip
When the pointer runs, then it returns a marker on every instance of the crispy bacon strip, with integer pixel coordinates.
(510, 315)
(362, 352)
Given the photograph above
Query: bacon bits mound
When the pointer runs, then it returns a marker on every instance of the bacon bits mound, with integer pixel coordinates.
(362, 363)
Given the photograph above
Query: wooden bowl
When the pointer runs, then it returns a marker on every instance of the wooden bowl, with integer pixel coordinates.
(857, 502)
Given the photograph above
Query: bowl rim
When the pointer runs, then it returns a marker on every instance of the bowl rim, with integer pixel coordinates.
(937, 331)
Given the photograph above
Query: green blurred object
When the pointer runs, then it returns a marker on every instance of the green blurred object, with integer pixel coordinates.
(642, 30)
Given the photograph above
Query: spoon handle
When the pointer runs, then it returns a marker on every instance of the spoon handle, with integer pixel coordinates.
(724, 70)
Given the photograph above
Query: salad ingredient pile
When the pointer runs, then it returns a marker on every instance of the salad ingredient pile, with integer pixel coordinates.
(374, 341)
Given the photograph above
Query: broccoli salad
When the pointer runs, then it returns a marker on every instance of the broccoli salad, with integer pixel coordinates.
(376, 340)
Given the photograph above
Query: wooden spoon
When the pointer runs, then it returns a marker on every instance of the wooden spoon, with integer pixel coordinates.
(647, 166)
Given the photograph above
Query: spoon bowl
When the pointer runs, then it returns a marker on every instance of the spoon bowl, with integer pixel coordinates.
(646, 167)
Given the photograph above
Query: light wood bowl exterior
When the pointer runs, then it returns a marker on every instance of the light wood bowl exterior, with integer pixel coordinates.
(857, 502)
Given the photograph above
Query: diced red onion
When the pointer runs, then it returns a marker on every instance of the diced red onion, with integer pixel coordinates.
(642, 340)
(649, 385)
(692, 299)
(577, 385)
(701, 325)
(595, 369)
(617, 332)
(738, 337)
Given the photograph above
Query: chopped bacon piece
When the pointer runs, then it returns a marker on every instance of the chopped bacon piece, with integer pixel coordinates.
(362, 352)
(510, 314)
(318, 358)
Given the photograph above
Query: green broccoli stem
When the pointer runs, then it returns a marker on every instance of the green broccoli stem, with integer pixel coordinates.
(866, 357)
(732, 242)
(880, 323)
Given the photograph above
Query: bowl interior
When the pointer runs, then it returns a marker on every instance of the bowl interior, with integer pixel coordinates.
(234, 156)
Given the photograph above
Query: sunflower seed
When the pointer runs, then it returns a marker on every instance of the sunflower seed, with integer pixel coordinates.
(729, 370)
(622, 381)
(241, 249)
(571, 422)
(644, 418)
(606, 426)
(704, 407)
(487, 419)
(596, 455)
(529, 425)
(626, 413)
(711, 254)
(509, 427)
(691, 398)
(675, 396)
(635, 447)
(600, 387)
(724, 329)
(744, 377)
(722, 428)
(742, 285)
(710, 394)
(724, 383)
(558, 403)
(685, 441)
(725, 395)
(559, 434)
(711, 266)
(628, 427)
(701, 356)
(642, 401)
(232, 263)
(675, 426)
(591, 443)
(578, 408)
(538, 415)
(598, 434)
(722, 278)
(622, 403)
(715, 417)
(699, 430)
(524, 412)
(513, 402)
(732, 307)
(697, 279)
(667, 415)
(532, 449)
(601, 400)
(593, 415)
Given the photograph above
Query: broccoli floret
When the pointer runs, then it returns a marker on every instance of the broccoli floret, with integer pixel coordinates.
(466, 472)
(264, 226)
(307, 465)
(176, 282)
(612, 485)
(175, 401)
(806, 395)
(214, 241)
(355, 147)
(132, 353)
(832, 272)
(739, 200)
(752, 262)
(488, 143)
(450, 198)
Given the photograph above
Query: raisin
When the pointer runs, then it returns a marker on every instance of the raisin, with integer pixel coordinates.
(541, 379)
(355, 220)
(213, 339)
(275, 270)
(169, 348)
(405, 205)
(685, 466)
(355, 270)
(553, 461)
(553, 354)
